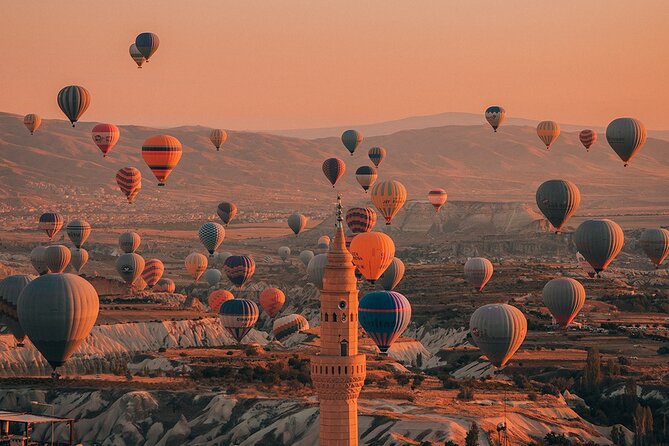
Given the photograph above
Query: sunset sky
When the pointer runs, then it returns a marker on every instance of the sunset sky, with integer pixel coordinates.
(315, 63)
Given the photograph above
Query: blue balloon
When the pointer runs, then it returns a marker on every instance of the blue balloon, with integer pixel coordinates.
(384, 315)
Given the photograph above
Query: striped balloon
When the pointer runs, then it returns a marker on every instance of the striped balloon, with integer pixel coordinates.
(32, 122)
(360, 219)
(377, 155)
(165, 285)
(498, 330)
(38, 260)
(161, 153)
(392, 276)
(587, 137)
(130, 266)
(218, 298)
(323, 243)
(147, 44)
(351, 140)
(316, 270)
(599, 241)
(79, 258)
(437, 198)
(478, 271)
(129, 241)
(129, 180)
(389, 197)
(50, 222)
(218, 138)
(226, 211)
(239, 269)
(105, 136)
(238, 317)
(286, 326)
(333, 168)
(384, 315)
(272, 300)
(366, 176)
(136, 55)
(558, 200)
(57, 258)
(153, 272)
(78, 231)
(564, 297)
(73, 100)
(655, 243)
(297, 222)
(548, 132)
(211, 235)
(626, 136)
(196, 264)
(495, 116)
(372, 253)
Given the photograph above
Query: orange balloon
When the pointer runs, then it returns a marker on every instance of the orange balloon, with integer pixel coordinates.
(372, 253)
(217, 298)
(272, 300)
(161, 153)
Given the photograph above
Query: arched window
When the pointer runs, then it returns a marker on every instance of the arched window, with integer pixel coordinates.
(326, 317)
(334, 317)
(344, 347)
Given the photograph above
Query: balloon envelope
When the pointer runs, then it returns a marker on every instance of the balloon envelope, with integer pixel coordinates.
(212, 276)
(599, 241)
(495, 116)
(73, 100)
(32, 122)
(351, 140)
(147, 44)
(564, 297)
(226, 211)
(478, 271)
(162, 154)
(239, 269)
(333, 168)
(389, 197)
(153, 272)
(384, 315)
(57, 258)
(238, 316)
(50, 222)
(306, 256)
(548, 132)
(286, 326)
(129, 241)
(129, 180)
(211, 235)
(392, 276)
(105, 136)
(217, 298)
(196, 264)
(361, 219)
(78, 231)
(437, 198)
(588, 138)
(284, 252)
(79, 258)
(626, 136)
(558, 200)
(130, 266)
(316, 270)
(297, 222)
(366, 176)
(136, 55)
(165, 285)
(655, 243)
(498, 330)
(372, 253)
(272, 300)
(218, 137)
(377, 155)
(38, 259)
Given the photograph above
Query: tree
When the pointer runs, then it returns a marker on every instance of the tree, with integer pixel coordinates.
(472, 438)
(592, 374)
(618, 436)
(643, 425)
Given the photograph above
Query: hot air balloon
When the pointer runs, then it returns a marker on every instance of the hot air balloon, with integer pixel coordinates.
(564, 297)
(548, 132)
(239, 269)
(478, 271)
(226, 211)
(10, 290)
(286, 326)
(599, 241)
(585, 266)
(297, 222)
(498, 330)
(32, 122)
(558, 200)
(217, 298)
(57, 258)
(587, 137)
(626, 136)
(139, 284)
(323, 243)
(495, 116)
(377, 155)
(136, 55)
(211, 235)
(212, 276)
(366, 176)
(272, 300)
(351, 140)
(655, 243)
(384, 315)
(58, 312)
(372, 253)
(392, 276)
(284, 252)
(196, 264)
(105, 136)
(78, 231)
(38, 260)
(129, 241)
(306, 256)
(221, 257)
(73, 100)
(129, 180)
(389, 197)
(316, 270)
(165, 285)
(361, 219)
(79, 258)
(161, 153)
(238, 316)
(333, 168)
(218, 138)
(153, 272)
(437, 198)
(50, 222)
(130, 266)
(147, 44)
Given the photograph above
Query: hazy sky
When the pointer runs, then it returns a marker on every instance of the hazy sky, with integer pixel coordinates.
(315, 63)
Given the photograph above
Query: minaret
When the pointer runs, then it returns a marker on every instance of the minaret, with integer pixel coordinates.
(338, 371)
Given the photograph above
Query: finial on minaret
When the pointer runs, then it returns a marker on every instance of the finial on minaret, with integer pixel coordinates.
(339, 212)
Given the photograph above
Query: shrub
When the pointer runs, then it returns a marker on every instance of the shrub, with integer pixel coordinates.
(466, 393)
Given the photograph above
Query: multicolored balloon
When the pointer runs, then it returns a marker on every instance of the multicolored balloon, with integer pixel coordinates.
(361, 219)
(297, 222)
(389, 197)
(32, 122)
(366, 176)
(437, 198)
(162, 154)
(153, 272)
(105, 136)
(218, 138)
(78, 231)
(626, 136)
(211, 235)
(392, 276)
(372, 253)
(498, 330)
(73, 100)
(272, 300)
(351, 140)
(333, 168)
(655, 243)
(239, 269)
(196, 264)
(129, 241)
(478, 271)
(218, 298)
(130, 266)
(50, 222)
(599, 241)
(587, 137)
(136, 55)
(57, 257)
(286, 326)
(79, 258)
(238, 317)
(558, 200)
(147, 44)
(226, 211)
(377, 155)
(564, 297)
(384, 315)
(548, 132)
(129, 180)
(495, 116)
